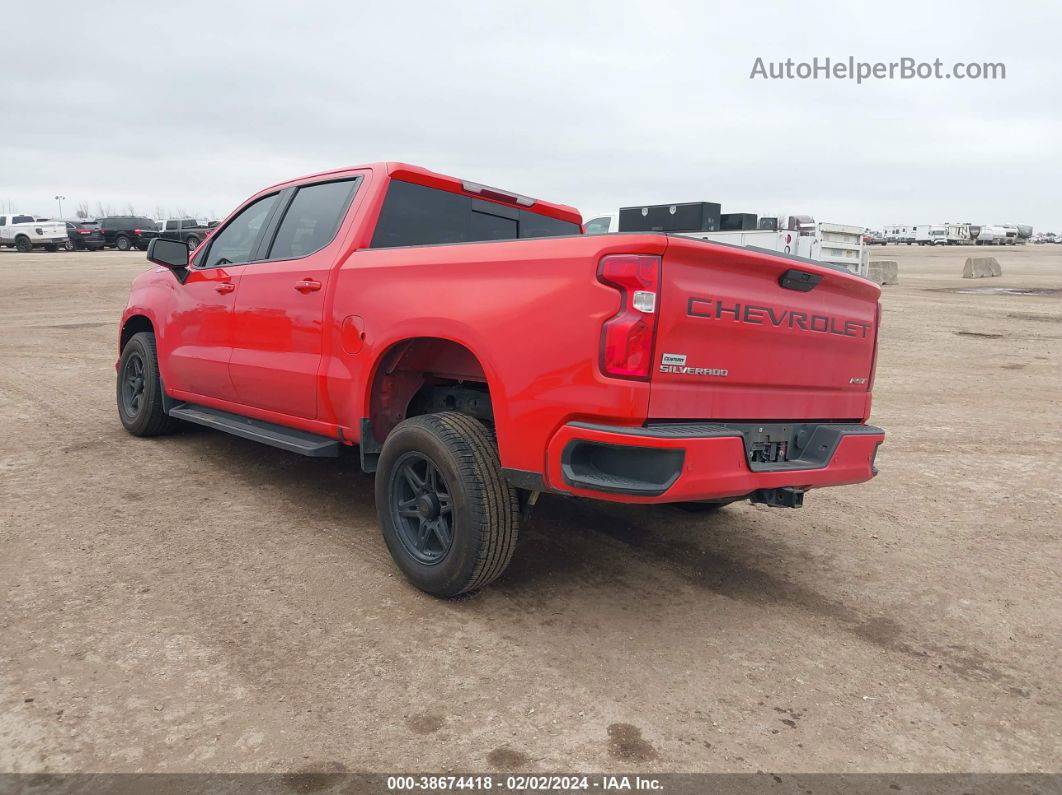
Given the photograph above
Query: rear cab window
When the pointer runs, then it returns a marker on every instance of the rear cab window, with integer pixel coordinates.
(417, 215)
(312, 218)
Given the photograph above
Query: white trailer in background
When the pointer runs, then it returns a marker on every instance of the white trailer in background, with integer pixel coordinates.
(1023, 233)
(931, 235)
(841, 244)
(899, 233)
(958, 235)
(802, 236)
(992, 236)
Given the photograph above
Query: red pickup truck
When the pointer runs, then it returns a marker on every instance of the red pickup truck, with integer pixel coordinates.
(479, 349)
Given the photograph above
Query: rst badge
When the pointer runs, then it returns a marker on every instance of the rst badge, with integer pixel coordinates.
(675, 363)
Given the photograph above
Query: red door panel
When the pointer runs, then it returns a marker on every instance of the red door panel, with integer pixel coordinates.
(277, 335)
(198, 339)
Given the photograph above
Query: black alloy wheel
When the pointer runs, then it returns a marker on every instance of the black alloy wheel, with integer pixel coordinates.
(422, 508)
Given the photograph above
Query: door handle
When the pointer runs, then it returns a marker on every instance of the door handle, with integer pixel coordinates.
(225, 287)
(308, 285)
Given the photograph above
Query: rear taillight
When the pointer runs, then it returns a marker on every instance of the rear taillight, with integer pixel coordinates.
(136, 231)
(84, 231)
(627, 337)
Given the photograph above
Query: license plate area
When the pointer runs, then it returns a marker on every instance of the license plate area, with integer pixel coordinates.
(769, 444)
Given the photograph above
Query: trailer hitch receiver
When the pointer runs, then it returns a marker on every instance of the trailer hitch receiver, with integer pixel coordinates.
(779, 498)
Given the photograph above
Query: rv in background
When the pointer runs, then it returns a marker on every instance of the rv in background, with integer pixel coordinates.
(931, 235)
(993, 236)
(900, 233)
(958, 235)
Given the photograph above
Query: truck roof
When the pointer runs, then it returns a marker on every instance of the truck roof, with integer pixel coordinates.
(423, 176)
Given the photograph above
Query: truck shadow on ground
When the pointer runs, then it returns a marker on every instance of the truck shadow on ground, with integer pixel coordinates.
(590, 544)
(567, 536)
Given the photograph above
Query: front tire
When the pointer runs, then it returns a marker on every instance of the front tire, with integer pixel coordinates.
(23, 245)
(193, 243)
(123, 244)
(69, 246)
(449, 517)
(139, 388)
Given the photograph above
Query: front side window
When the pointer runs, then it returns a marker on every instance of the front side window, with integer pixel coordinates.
(3, 220)
(236, 242)
(312, 219)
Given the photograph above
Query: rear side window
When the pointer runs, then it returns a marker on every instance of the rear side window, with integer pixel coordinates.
(22, 219)
(236, 242)
(416, 215)
(312, 219)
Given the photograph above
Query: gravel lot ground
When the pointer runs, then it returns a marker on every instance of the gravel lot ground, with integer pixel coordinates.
(200, 603)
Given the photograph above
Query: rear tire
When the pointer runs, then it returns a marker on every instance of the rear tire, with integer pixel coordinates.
(51, 247)
(449, 517)
(122, 244)
(139, 388)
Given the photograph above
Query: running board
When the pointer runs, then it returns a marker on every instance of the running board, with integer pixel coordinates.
(294, 441)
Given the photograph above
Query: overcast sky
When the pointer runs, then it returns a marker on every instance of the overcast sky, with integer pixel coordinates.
(195, 106)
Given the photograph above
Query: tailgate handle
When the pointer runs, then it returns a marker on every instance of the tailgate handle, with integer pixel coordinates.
(801, 281)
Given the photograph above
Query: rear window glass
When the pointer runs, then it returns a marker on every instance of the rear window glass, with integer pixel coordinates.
(416, 215)
(312, 219)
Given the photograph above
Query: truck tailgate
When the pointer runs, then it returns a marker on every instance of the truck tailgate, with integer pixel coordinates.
(748, 335)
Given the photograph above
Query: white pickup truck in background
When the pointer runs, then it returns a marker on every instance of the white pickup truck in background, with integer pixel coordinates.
(25, 232)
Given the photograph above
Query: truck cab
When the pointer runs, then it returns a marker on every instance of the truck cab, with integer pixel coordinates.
(931, 235)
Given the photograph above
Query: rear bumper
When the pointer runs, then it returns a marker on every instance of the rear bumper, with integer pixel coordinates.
(704, 461)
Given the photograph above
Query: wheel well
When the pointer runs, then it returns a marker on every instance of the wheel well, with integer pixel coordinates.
(425, 375)
(134, 325)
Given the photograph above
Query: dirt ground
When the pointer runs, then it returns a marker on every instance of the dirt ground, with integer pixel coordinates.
(198, 602)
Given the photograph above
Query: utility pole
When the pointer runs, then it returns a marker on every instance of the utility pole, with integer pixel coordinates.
(59, 199)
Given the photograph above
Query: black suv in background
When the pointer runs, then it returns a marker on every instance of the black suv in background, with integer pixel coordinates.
(124, 232)
(83, 236)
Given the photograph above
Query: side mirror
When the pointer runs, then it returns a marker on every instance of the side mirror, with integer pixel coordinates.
(171, 254)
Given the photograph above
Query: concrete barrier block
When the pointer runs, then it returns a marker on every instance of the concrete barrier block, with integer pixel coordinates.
(981, 267)
(884, 271)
